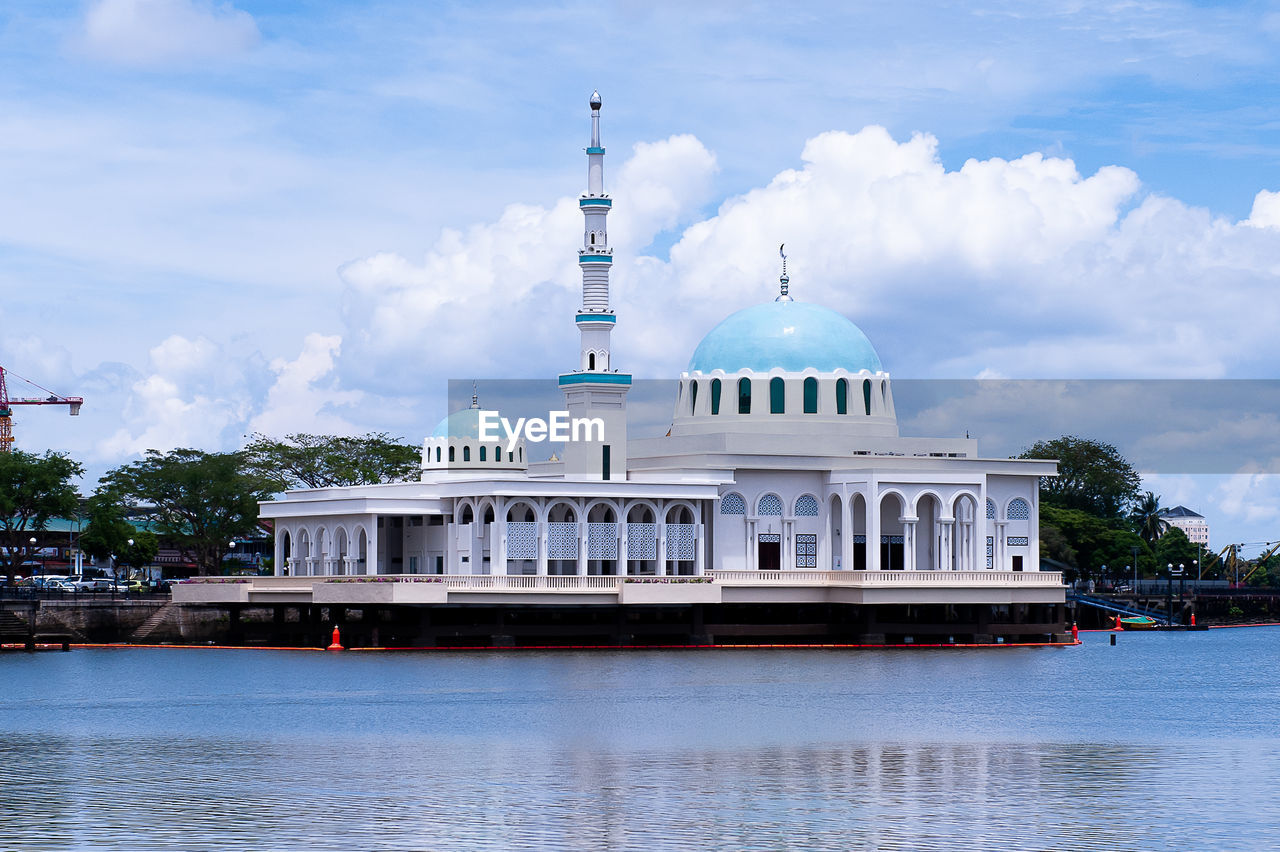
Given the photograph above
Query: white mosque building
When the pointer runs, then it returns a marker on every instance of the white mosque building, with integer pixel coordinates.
(782, 482)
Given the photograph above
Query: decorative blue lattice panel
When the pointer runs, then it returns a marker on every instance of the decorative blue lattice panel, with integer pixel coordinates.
(807, 507)
(991, 510)
(1019, 541)
(681, 542)
(562, 541)
(733, 504)
(770, 538)
(602, 541)
(891, 539)
(991, 548)
(859, 539)
(522, 540)
(642, 541)
(1019, 510)
(770, 504)
(806, 551)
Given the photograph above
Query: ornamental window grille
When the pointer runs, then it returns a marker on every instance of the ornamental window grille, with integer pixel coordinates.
(522, 540)
(991, 510)
(770, 538)
(642, 541)
(733, 504)
(562, 540)
(770, 504)
(891, 539)
(602, 541)
(806, 551)
(859, 539)
(991, 550)
(681, 542)
(1019, 510)
(1019, 541)
(807, 507)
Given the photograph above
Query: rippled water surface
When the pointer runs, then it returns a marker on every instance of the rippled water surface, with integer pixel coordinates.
(1166, 741)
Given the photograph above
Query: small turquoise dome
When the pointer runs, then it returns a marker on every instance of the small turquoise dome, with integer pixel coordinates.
(791, 335)
(459, 424)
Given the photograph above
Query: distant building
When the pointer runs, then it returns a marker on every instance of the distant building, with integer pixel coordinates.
(1191, 523)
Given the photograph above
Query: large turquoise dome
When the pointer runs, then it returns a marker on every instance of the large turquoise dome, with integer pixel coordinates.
(794, 336)
(459, 424)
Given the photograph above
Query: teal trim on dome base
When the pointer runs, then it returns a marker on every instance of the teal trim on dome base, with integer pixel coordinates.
(791, 336)
(595, 318)
(595, 378)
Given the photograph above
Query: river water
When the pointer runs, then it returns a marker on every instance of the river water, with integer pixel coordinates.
(1165, 741)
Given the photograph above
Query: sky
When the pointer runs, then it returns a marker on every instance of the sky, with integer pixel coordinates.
(221, 218)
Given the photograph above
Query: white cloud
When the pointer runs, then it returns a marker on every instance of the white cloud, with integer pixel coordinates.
(1266, 210)
(161, 32)
(298, 402)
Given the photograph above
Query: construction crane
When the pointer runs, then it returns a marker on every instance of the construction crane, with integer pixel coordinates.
(6, 407)
(1232, 564)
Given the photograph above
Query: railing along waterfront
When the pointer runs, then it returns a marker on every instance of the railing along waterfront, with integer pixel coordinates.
(531, 582)
(887, 578)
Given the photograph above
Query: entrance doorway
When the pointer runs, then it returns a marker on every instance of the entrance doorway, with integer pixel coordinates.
(769, 552)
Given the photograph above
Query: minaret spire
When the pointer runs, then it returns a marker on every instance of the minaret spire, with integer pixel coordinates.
(595, 390)
(784, 280)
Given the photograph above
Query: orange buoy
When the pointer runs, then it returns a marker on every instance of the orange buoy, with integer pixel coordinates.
(1193, 619)
(1075, 632)
(336, 645)
(1118, 626)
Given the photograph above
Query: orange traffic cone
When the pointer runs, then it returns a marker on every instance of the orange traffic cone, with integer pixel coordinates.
(1118, 626)
(336, 645)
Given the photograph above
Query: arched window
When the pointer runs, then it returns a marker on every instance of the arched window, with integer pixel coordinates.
(715, 396)
(593, 238)
(466, 454)
(482, 453)
(866, 395)
(770, 504)
(591, 361)
(511, 457)
(1019, 510)
(807, 507)
(810, 395)
(744, 396)
(842, 396)
(451, 454)
(693, 398)
(991, 510)
(777, 396)
(733, 504)
(497, 453)
(521, 452)
(437, 455)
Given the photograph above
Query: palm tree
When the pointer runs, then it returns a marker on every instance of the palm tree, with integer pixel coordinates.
(1146, 518)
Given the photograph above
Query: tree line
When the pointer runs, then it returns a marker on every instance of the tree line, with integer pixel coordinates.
(191, 500)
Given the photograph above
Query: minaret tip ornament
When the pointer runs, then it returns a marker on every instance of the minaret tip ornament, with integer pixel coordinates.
(475, 397)
(595, 99)
(784, 280)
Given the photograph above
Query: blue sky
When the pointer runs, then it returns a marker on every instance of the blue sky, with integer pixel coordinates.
(223, 217)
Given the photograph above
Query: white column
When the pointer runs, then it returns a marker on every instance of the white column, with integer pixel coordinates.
(700, 557)
(498, 547)
(909, 544)
(371, 565)
(582, 546)
(846, 532)
(278, 550)
(873, 531)
(543, 535)
(661, 568)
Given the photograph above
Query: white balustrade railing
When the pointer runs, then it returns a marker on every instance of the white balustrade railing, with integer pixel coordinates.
(530, 583)
(887, 578)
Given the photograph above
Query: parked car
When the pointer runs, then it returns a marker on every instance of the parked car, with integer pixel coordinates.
(91, 584)
(58, 584)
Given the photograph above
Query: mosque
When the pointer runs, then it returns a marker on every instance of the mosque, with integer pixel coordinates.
(782, 505)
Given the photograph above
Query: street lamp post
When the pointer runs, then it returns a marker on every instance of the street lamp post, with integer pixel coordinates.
(32, 541)
(126, 573)
(1135, 569)
(1168, 596)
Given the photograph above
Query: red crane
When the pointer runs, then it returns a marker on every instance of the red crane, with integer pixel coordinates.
(6, 407)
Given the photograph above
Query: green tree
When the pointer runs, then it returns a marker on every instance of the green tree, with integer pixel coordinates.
(198, 500)
(33, 490)
(107, 532)
(322, 461)
(1092, 476)
(1174, 547)
(1095, 542)
(1146, 518)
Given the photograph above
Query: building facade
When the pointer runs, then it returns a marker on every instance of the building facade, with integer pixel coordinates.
(1195, 525)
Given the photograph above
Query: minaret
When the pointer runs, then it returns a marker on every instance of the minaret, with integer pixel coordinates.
(595, 389)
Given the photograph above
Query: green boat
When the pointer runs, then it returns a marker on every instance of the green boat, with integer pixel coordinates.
(1139, 622)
